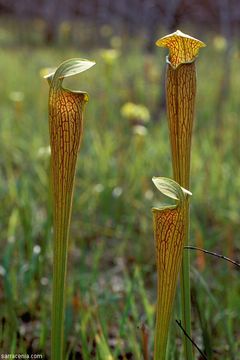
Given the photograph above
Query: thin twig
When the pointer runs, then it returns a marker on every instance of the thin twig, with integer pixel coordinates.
(189, 338)
(213, 254)
(145, 337)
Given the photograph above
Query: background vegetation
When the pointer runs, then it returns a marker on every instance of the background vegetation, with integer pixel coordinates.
(112, 277)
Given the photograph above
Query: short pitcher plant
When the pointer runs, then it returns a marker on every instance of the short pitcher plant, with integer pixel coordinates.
(66, 127)
(170, 231)
(180, 96)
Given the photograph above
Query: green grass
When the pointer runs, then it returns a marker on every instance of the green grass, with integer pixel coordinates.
(112, 276)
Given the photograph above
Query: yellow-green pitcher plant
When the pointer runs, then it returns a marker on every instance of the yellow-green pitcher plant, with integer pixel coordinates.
(169, 231)
(65, 127)
(180, 96)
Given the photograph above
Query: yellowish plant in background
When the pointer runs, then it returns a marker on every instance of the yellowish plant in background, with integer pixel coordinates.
(180, 94)
(65, 128)
(135, 113)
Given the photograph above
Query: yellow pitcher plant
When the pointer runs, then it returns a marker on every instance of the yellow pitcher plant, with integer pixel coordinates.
(170, 231)
(180, 96)
(65, 127)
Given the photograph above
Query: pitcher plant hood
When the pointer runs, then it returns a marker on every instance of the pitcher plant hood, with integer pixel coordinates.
(183, 49)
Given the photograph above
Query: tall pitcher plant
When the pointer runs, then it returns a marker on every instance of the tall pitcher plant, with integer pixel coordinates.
(65, 127)
(180, 96)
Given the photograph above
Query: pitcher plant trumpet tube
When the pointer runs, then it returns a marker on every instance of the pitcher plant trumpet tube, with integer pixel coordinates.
(180, 97)
(169, 231)
(65, 128)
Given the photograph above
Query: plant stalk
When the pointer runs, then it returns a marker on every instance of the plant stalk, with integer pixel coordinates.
(186, 289)
(181, 91)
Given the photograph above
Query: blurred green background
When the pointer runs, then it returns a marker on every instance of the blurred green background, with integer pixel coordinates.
(112, 276)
